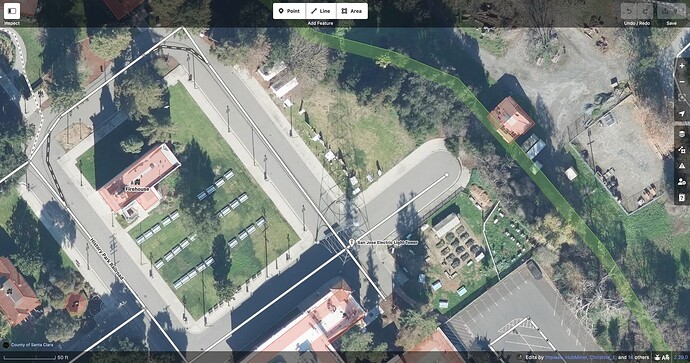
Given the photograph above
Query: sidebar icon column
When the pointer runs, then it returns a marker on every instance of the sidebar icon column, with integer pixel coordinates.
(681, 155)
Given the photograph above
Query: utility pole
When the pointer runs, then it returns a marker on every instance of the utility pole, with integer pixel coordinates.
(287, 255)
(80, 138)
(227, 113)
(26, 179)
(265, 168)
(263, 213)
(88, 265)
(253, 156)
(290, 121)
(68, 115)
(189, 71)
(81, 175)
(194, 72)
(150, 259)
(304, 226)
(112, 219)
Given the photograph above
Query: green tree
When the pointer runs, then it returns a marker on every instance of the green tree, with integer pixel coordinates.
(414, 328)
(132, 144)
(358, 346)
(139, 92)
(189, 13)
(50, 294)
(221, 258)
(60, 326)
(108, 43)
(5, 328)
(23, 229)
(196, 174)
(225, 289)
(6, 51)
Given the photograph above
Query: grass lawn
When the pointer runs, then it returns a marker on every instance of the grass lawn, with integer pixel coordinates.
(248, 257)
(492, 43)
(365, 134)
(505, 250)
(34, 50)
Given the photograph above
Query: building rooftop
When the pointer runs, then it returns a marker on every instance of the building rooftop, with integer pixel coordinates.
(434, 349)
(145, 173)
(76, 303)
(17, 299)
(510, 120)
(120, 8)
(311, 333)
(446, 224)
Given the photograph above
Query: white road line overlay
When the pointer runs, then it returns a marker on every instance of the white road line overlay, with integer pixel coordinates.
(283, 165)
(106, 259)
(14, 37)
(99, 341)
(402, 207)
(123, 70)
(226, 336)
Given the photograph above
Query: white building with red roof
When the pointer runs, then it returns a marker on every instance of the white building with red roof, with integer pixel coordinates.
(134, 189)
(308, 337)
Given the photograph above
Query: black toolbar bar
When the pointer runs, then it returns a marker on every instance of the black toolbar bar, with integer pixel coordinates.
(376, 14)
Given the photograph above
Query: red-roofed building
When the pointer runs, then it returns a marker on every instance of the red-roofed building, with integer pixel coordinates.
(120, 8)
(308, 338)
(134, 187)
(76, 304)
(510, 120)
(17, 299)
(436, 348)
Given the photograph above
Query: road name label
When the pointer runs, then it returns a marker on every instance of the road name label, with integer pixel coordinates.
(107, 259)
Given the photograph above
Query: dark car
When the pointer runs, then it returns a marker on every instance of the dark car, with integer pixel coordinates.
(534, 269)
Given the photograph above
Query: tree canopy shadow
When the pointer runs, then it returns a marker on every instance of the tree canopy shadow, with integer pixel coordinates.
(53, 213)
(196, 174)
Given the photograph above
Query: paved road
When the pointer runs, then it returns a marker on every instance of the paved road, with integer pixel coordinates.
(380, 206)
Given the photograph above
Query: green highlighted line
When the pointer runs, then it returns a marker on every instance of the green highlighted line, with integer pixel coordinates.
(471, 101)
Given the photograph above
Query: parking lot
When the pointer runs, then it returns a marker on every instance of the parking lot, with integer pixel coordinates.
(521, 314)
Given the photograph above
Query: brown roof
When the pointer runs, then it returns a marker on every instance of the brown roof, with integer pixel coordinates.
(121, 8)
(76, 303)
(436, 348)
(510, 119)
(17, 299)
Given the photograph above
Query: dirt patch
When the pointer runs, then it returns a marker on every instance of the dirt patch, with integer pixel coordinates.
(68, 138)
(480, 197)
(622, 156)
(94, 63)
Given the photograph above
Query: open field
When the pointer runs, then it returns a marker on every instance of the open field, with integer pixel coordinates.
(364, 134)
(249, 257)
(34, 50)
